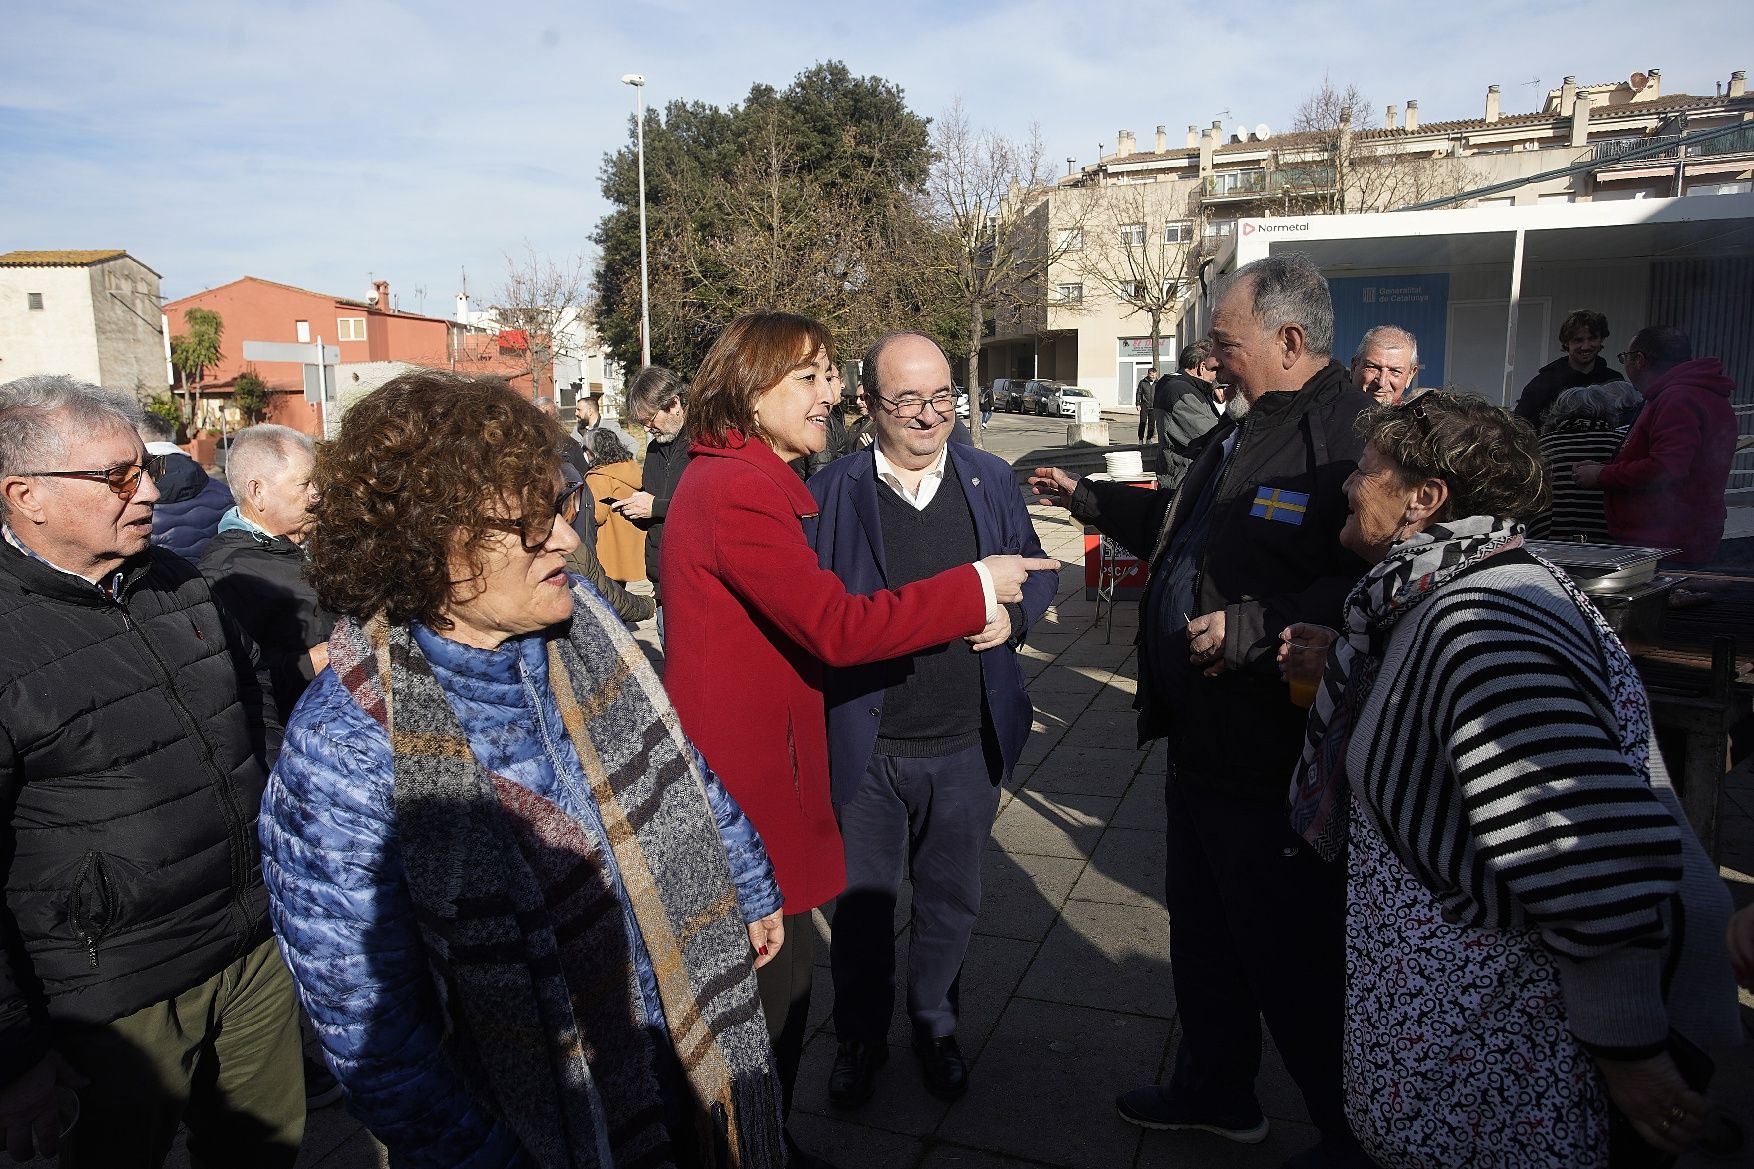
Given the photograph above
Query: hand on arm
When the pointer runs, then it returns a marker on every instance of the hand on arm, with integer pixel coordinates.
(997, 632)
(1586, 474)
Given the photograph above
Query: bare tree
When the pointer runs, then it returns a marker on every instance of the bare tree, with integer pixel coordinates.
(543, 298)
(988, 199)
(1137, 244)
(1336, 164)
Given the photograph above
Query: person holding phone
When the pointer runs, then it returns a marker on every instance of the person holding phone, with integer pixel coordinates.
(614, 476)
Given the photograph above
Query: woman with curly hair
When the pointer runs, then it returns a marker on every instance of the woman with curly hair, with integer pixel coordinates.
(521, 911)
(752, 617)
(1533, 932)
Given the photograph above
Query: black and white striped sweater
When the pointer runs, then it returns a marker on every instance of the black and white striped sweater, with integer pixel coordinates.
(1576, 512)
(1487, 753)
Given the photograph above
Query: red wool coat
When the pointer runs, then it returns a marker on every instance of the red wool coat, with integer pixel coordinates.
(749, 620)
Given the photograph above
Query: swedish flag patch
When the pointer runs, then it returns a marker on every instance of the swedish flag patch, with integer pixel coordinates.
(1280, 505)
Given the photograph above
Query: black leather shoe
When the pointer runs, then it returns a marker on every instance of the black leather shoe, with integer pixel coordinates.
(854, 1077)
(941, 1062)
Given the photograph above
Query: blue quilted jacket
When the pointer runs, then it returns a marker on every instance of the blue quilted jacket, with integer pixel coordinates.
(190, 502)
(342, 911)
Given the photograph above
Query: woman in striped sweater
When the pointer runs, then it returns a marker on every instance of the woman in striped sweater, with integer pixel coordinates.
(1584, 426)
(1533, 932)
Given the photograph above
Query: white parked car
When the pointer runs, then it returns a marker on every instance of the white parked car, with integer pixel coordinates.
(1067, 397)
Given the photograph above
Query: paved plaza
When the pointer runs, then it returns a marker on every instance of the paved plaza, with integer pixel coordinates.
(1066, 993)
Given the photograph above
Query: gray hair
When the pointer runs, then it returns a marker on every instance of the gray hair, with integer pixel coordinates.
(1289, 290)
(259, 452)
(1389, 337)
(39, 413)
(868, 368)
(1603, 403)
(656, 388)
(156, 429)
(606, 447)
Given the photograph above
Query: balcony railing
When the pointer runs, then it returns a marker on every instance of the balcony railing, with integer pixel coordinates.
(1235, 186)
(1661, 147)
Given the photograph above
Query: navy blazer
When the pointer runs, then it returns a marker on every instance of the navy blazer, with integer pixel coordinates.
(848, 538)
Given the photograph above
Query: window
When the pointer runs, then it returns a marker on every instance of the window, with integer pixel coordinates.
(350, 328)
(1071, 293)
(1218, 228)
(304, 332)
(1071, 240)
(34, 300)
(1236, 182)
(1132, 235)
(1178, 231)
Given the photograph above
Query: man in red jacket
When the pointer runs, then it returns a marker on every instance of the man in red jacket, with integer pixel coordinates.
(1666, 486)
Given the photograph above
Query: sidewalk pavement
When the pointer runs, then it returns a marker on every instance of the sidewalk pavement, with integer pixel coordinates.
(1067, 998)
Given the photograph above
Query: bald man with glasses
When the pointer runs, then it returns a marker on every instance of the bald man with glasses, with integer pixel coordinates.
(917, 745)
(135, 739)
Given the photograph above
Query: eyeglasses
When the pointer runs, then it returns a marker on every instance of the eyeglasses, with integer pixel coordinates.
(1629, 355)
(123, 478)
(910, 406)
(566, 509)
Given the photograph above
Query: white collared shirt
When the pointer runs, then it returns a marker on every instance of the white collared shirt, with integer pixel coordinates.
(919, 499)
(928, 488)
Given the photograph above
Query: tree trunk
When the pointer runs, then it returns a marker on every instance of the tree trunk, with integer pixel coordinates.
(974, 372)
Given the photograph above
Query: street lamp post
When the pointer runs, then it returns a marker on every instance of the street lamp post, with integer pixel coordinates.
(638, 81)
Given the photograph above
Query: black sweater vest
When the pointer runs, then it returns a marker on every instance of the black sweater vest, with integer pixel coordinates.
(934, 707)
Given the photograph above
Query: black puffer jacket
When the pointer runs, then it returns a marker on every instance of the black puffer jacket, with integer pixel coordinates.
(133, 746)
(1265, 573)
(260, 579)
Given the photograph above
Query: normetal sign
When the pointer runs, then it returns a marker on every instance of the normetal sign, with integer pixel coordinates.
(1271, 228)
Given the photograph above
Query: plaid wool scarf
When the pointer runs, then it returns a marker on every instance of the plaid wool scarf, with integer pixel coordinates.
(523, 932)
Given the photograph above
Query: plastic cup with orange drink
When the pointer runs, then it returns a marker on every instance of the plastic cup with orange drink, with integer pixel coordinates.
(1302, 660)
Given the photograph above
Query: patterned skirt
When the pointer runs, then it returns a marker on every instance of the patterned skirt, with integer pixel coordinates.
(1456, 1048)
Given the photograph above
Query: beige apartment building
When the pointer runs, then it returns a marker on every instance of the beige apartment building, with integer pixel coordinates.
(1136, 232)
(94, 315)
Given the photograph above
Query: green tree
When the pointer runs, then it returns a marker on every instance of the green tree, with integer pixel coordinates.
(800, 199)
(252, 397)
(194, 351)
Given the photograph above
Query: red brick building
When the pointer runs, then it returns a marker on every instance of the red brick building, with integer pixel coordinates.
(253, 309)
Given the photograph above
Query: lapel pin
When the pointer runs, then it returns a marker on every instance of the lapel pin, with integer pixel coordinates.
(976, 481)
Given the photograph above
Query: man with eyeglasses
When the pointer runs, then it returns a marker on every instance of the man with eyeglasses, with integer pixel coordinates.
(917, 745)
(135, 738)
(658, 399)
(1386, 364)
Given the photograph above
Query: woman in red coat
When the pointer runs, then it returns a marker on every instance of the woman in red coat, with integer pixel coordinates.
(751, 619)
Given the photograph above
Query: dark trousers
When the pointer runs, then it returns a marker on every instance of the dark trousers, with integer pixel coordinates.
(1256, 927)
(934, 817)
(784, 985)
(223, 1057)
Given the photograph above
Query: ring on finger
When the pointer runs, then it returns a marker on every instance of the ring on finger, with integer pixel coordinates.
(1666, 1125)
(1677, 1114)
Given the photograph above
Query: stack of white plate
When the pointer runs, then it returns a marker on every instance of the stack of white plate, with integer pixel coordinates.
(1124, 464)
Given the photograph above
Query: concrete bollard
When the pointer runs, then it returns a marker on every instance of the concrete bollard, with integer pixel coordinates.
(1093, 433)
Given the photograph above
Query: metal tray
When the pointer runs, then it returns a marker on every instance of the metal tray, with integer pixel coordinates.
(1602, 568)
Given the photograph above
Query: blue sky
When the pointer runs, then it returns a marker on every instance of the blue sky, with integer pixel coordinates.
(323, 143)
